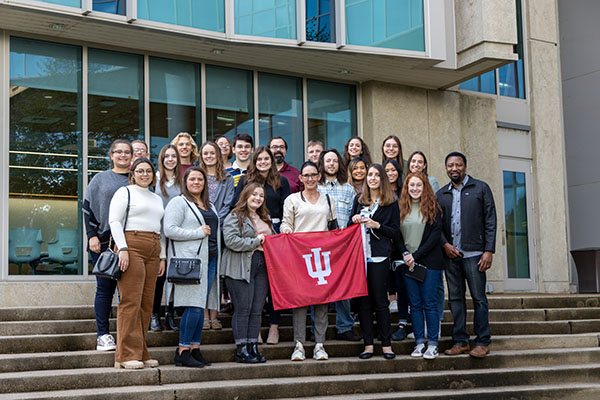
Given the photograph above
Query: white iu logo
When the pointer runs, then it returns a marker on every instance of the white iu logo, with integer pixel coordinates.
(319, 271)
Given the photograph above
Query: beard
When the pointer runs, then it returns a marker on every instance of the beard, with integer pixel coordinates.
(456, 179)
(279, 157)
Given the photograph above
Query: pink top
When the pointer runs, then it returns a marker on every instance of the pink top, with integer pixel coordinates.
(261, 227)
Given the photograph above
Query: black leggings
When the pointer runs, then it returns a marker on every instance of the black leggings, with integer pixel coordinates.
(376, 301)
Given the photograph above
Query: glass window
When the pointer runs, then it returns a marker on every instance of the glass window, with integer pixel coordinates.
(202, 14)
(70, 3)
(174, 101)
(115, 103)
(229, 102)
(485, 83)
(109, 6)
(331, 112)
(45, 185)
(280, 113)
(393, 24)
(270, 18)
(510, 77)
(515, 215)
(320, 21)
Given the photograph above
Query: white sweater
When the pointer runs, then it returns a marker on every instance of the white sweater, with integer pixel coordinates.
(145, 213)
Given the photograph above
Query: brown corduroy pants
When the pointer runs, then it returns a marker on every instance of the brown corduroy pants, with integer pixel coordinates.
(136, 288)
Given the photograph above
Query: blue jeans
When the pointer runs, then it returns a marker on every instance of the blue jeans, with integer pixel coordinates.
(424, 306)
(441, 297)
(457, 272)
(343, 319)
(105, 290)
(190, 328)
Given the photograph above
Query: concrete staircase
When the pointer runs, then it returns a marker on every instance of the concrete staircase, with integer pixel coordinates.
(544, 347)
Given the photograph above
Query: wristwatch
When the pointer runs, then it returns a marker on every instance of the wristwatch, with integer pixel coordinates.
(405, 253)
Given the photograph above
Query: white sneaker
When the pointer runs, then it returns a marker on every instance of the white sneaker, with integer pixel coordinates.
(431, 353)
(418, 351)
(411, 335)
(298, 354)
(393, 306)
(106, 343)
(319, 353)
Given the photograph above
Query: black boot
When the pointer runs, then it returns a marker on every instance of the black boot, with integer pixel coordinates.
(253, 351)
(170, 322)
(198, 356)
(185, 359)
(155, 323)
(242, 355)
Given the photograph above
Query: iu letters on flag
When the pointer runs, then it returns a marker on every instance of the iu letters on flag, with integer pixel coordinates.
(315, 267)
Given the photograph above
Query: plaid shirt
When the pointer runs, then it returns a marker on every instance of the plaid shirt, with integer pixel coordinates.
(341, 196)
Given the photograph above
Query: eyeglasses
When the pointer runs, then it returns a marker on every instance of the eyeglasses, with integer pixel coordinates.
(143, 171)
(139, 151)
(310, 176)
(120, 152)
(277, 147)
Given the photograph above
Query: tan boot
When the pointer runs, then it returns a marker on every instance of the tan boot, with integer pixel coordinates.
(273, 337)
(456, 350)
(479, 351)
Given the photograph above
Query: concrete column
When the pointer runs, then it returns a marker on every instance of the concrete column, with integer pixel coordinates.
(548, 145)
(4, 145)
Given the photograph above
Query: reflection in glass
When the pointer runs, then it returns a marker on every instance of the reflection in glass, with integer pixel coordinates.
(45, 158)
(174, 101)
(70, 3)
(229, 102)
(485, 83)
(280, 113)
(320, 21)
(331, 112)
(115, 103)
(109, 6)
(203, 14)
(515, 214)
(393, 24)
(510, 80)
(270, 18)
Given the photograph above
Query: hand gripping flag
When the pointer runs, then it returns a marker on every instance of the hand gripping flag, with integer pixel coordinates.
(315, 267)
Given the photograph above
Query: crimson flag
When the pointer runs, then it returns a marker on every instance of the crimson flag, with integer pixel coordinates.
(312, 268)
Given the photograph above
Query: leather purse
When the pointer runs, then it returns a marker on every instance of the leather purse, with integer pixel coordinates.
(332, 224)
(418, 273)
(107, 265)
(185, 271)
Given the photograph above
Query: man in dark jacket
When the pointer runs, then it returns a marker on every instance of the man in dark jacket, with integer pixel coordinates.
(468, 242)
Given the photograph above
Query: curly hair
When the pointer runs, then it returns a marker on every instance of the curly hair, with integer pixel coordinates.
(428, 205)
(365, 154)
(194, 152)
(241, 207)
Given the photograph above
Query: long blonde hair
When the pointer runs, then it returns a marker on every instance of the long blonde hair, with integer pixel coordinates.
(194, 153)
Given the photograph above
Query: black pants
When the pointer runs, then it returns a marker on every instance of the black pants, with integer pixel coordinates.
(376, 301)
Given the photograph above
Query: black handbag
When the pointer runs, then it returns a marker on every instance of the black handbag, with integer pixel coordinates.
(185, 271)
(332, 224)
(107, 265)
(418, 273)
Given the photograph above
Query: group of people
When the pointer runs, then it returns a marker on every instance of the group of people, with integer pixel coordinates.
(201, 205)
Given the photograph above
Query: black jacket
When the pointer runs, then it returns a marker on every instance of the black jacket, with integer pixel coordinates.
(273, 198)
(429, 252)
(389, 218)
(478, 216)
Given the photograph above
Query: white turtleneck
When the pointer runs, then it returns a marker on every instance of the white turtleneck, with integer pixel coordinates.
(145, 213)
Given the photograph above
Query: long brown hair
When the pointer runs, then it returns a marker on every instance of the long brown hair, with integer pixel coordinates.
(424, 160)
(162, 171)
(203, 193)
(365, 153)
(273, 177)
(398, 158)
(221, 175)
(241, 207)
(386, 193)
(342, 174)
(351, 165)
(428, 205)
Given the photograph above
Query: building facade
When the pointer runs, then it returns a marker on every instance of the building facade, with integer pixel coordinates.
(481, 77)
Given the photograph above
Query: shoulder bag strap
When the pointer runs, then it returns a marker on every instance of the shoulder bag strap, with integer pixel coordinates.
(329, 203)
(199, 222)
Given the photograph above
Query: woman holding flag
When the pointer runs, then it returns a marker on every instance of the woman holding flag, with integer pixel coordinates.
(308, 211)
(377, 209)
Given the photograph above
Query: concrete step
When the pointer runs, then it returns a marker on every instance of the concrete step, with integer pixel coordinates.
(499, 301)
(84, 378)
(319, 385)
(225, 352)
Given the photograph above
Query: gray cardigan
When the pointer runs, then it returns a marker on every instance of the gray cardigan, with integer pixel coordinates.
(240, 244)
(224, 197)
(184, 233)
